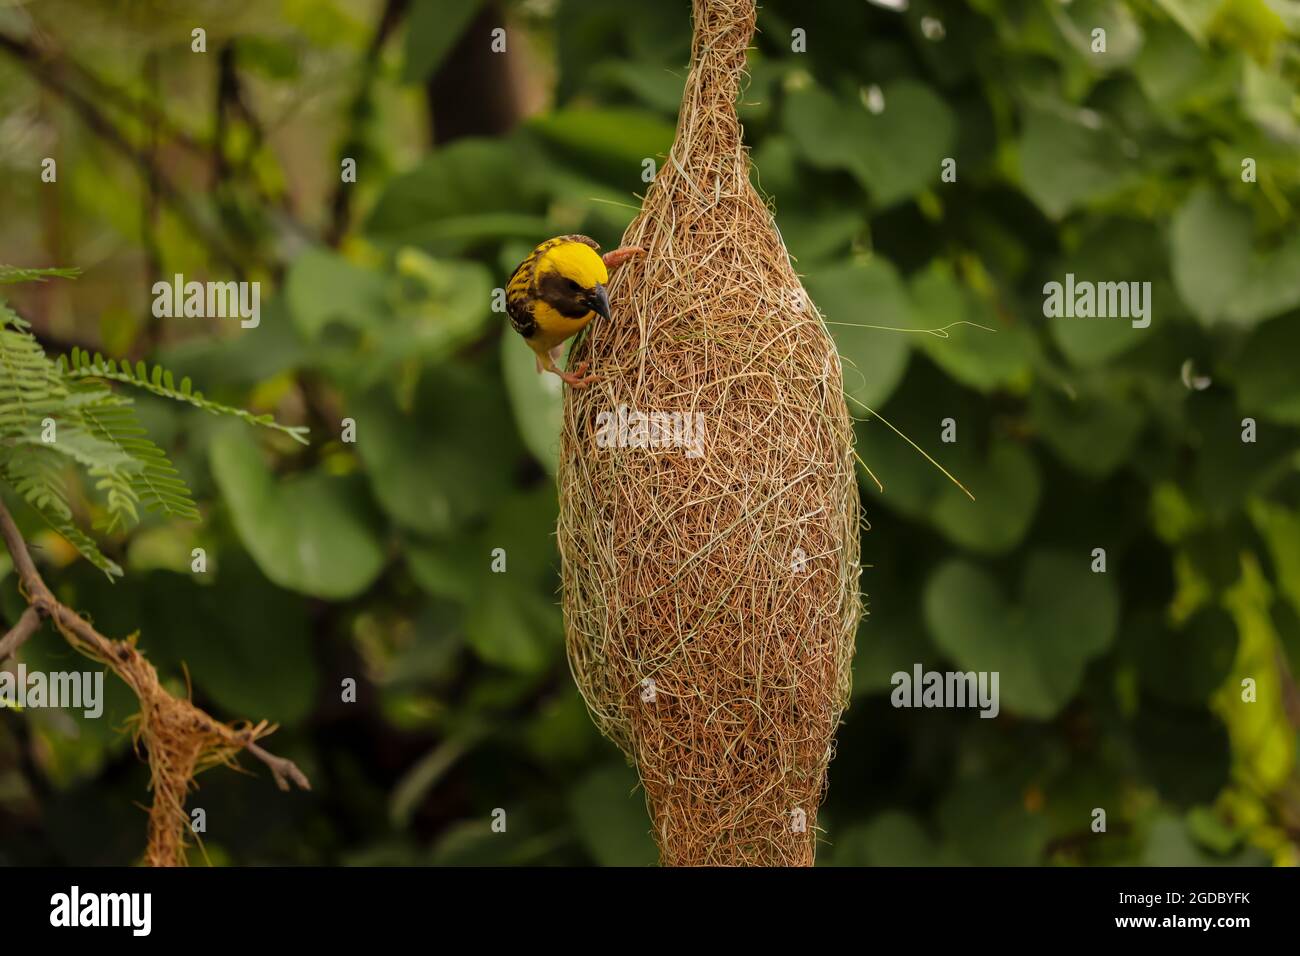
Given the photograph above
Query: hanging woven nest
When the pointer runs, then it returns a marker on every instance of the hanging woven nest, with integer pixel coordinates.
(711, 585)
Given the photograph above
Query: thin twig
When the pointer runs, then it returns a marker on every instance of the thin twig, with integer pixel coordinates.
(353, 142)
(27, 625)
(282, 769)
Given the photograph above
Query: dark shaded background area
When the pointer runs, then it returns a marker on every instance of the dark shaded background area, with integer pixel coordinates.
(371, 560)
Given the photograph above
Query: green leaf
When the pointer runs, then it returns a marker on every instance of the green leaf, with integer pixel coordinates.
(13, 274)
(247, 644)
(892, 838)
(1123, 35)
(1210, 242)
(463, 192)
(1070, 157)
(1220, 275)
(853, 297)
(651, 83)
(312, 533)
(610, 140)
(609, 814)
(1186, 665)
(514, 620)
(986, 820)
(1265, 372)
(1093, 434)
(1006, 487)
(324, 287)
(894, 154)
(445, 461)
(1170, 843)
(1065, 616)
(79, 366)
(1192, 15)
(984, 360)
(1113, 251)
(537, 401)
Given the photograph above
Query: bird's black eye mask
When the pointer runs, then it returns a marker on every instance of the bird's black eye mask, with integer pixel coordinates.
(564, 295)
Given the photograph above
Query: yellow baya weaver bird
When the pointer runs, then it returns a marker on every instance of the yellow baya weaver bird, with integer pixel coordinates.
(555, 292)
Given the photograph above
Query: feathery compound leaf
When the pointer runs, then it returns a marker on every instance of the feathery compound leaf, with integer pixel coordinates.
(39, 475)
(31, 388)
(12, 274)
(57, 414)
(155, 482)
(80, 365)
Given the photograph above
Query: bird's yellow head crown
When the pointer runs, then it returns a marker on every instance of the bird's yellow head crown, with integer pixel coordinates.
(577, 261)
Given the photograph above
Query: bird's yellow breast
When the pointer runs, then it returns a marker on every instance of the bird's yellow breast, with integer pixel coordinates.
(553, 328)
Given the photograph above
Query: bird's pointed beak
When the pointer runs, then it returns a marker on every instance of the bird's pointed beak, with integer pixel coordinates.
(599, 302)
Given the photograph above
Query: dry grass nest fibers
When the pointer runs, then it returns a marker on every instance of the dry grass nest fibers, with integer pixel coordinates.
(711, 593)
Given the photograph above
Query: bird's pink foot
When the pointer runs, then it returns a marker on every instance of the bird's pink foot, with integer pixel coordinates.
(576, 378)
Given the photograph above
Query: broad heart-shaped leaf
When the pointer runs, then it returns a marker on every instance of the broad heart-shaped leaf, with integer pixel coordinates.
(1066, 615)
(247, 644)
(1070, 157)
(1006, 489)
(984, 358)
(537, 400)
(612, 142)
(608, 811)
(1210, 243)
(1265, 371)
(1001, 473)
(313, 533)
(1220, 274)
(505, 575)
(444, 461)
(894, 154)
(1092, 433)
(324, 287)
(851, 297)
(1129, 255)
(464, 192)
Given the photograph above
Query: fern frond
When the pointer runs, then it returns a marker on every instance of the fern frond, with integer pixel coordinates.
(31, 388)
(155, 482)
(159, 381)
(38, 474)
(84, 544)
(12, 274)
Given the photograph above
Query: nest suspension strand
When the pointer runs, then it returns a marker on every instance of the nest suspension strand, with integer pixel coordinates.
(711, 601)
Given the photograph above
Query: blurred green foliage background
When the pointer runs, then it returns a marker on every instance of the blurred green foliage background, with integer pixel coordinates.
(371, 560)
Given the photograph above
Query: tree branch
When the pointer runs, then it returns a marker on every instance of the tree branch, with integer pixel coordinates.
(42, 603)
